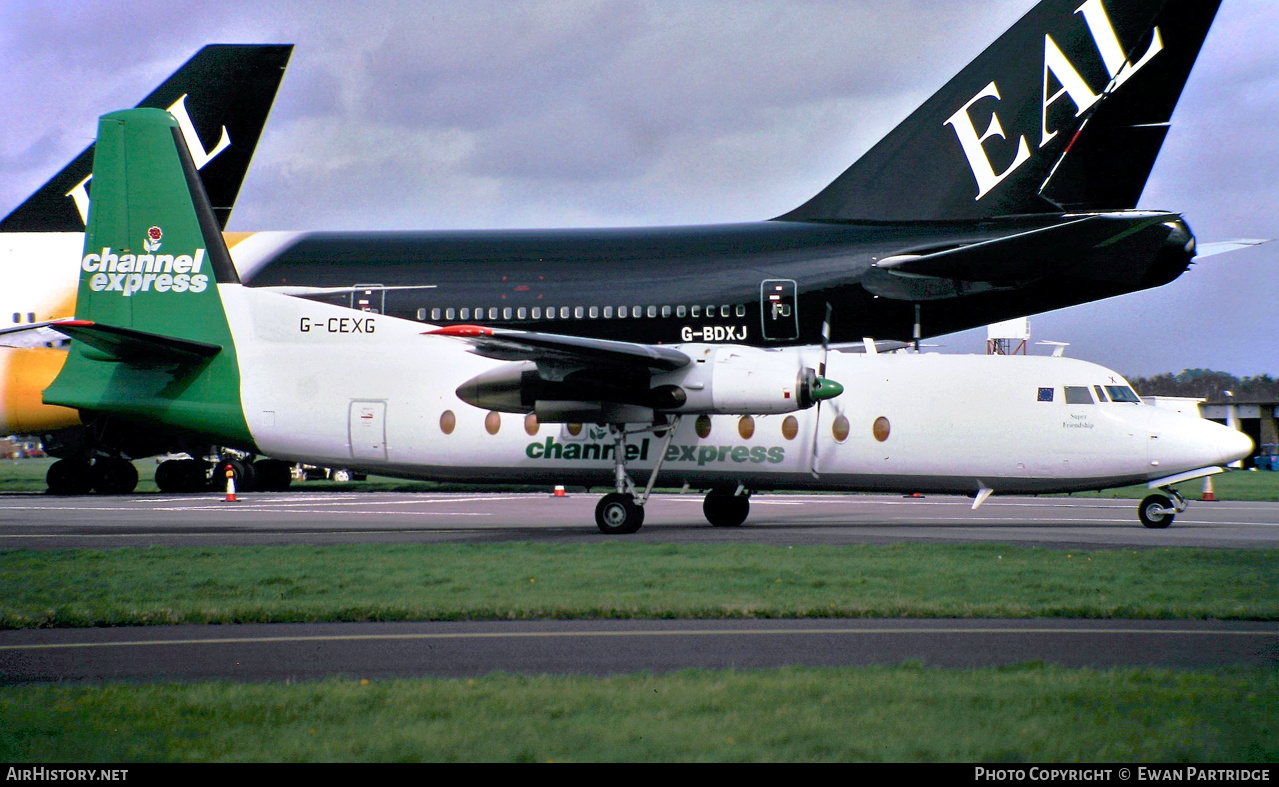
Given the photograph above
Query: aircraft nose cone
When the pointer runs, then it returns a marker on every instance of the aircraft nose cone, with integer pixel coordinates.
(1235, 446)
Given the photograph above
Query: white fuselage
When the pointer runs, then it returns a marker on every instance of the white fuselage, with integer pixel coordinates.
(337, 387)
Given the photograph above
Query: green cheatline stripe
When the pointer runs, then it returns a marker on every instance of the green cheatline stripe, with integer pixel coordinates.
(596, 634)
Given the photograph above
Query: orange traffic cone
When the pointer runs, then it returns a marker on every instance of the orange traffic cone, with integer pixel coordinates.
(1209, 494)
(230, 485)
(559, 491)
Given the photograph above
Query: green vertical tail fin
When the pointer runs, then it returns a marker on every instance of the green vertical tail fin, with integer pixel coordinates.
(153, 343)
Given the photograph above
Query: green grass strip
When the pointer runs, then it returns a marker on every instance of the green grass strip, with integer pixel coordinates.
(616, 579)
(1027, 713)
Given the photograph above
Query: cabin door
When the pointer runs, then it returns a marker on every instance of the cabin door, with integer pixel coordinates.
(779, 309)
(368, 431)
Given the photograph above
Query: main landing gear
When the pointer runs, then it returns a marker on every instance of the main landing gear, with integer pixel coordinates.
(107, 475)
(1157, 510)
(622, 512)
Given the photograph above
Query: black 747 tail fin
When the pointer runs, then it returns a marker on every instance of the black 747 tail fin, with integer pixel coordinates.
(221, 98)
(1065, 111)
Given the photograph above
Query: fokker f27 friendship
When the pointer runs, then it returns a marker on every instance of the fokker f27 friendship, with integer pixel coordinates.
(1012, 190)
(165, 334)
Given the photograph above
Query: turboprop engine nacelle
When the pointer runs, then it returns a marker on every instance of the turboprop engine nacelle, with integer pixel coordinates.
(735, 380)
(721, 379)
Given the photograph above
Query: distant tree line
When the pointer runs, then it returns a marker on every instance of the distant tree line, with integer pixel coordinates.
(1207, 384)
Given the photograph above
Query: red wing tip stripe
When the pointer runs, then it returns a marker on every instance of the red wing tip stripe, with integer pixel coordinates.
(73, 323)
(465, 331)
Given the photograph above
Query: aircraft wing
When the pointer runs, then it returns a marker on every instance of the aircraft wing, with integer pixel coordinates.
(555, 350)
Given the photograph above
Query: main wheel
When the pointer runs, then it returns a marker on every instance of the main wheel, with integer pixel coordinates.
(114, 476)
(245, 476)
(1156, 511)
(273, 475)
(617, 514)
(725, 509)
(69, 477)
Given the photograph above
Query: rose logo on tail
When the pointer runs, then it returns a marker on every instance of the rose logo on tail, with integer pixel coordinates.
(152, 243)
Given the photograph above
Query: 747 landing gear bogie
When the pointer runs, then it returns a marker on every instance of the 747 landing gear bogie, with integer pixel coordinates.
(108, 475)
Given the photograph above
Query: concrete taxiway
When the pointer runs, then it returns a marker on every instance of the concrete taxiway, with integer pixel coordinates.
(36, 521)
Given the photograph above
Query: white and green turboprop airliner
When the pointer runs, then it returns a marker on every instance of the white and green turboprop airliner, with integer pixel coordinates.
(165, 334)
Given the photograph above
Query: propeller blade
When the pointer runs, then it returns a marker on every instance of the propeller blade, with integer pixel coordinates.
(826, 389)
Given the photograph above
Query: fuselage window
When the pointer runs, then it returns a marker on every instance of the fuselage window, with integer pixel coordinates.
(466, 314)
(521, 313)
(435, 315)
(537, 312)
(550, 312)
(710, 311)
(1101, 395)
(1078, 394)
(637, 311)
(492, 312)
(17, 318)
(666, 311)
(449, 314)
(563, 312)
(697, 311)
(578, 312)
(724, 311)
(741, 310)
(421, 313)
(608, 312)
(652, 312)
(621, 312)
(1045, 394)
(594, 312)
(1121, 393)
(680, 311)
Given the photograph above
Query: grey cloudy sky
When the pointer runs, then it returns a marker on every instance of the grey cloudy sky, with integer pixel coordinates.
(503, 113)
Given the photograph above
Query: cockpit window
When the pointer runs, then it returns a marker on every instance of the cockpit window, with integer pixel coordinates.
(1078, 394)
(1122, 393)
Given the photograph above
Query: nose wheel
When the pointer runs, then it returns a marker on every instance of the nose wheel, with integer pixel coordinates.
(1158, 510)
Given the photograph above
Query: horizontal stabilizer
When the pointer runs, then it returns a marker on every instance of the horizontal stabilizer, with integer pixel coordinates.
(36, 334)
(1031, 254)
(128, 345)
(1223, 246)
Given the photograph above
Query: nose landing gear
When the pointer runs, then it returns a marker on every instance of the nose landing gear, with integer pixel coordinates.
(1158, 510)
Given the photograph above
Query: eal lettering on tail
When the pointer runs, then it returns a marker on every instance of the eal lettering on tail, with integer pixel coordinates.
(1057, 69)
